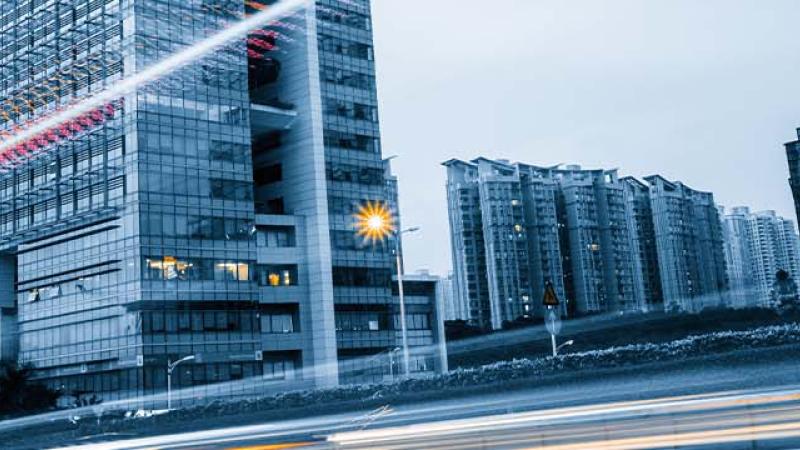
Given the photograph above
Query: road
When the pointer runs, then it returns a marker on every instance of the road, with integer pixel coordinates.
(764, 418)
(709, 407)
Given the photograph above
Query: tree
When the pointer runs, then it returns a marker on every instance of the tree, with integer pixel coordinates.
(18, 394)
(784, 292)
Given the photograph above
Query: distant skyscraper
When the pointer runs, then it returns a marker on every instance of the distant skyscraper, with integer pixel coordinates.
(494, 187)
(761, 244)
(643, 242)
(690, 245)
(466, 238)
(516, 227)
(546, 232)
(454, 308)
(738, 257)
(793, 156)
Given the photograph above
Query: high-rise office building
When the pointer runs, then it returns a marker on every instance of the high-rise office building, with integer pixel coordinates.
(690, 246)
(208, 213)
(760, 244)
(793, 157)
(516, 227)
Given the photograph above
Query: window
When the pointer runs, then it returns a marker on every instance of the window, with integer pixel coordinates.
(361, 321)
(236, 372)
(279, 369)
(351, 141)
(184, 321)
(230, 189)
(276, 237)
(170, 268)
(356, 174)
(231, 271)
(228, 151)
(362, 277)
(345, 47)
(277, 275)
(277, 323)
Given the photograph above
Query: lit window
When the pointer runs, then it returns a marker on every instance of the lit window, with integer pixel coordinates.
(232, 271)
(274, 279)
(169, 268)
(276, 276)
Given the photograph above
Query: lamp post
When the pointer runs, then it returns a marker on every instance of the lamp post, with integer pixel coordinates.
(403, 326)
(170, 367)
(374, 222)
(391, 362)
(565, 344)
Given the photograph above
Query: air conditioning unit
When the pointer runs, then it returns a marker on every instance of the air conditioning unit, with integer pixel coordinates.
(259, 355)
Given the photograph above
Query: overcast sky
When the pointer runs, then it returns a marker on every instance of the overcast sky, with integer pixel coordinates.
(701, 91)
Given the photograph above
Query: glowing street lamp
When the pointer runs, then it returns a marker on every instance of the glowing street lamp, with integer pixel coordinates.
(170, 367)
(374, 222)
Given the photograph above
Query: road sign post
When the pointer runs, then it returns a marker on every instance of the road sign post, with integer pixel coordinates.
(552, 319)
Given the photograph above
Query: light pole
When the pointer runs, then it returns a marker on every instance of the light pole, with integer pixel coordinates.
(374, 222)
(565, 344)
(391, 362)
(403, 326)
(170, 367)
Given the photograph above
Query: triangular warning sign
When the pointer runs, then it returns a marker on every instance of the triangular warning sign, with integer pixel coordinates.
(550, 297)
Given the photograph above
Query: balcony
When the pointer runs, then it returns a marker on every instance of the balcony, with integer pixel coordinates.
(272, 117)
(281, 342)
(282, 294)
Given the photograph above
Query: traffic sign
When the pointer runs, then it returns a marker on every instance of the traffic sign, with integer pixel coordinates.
(550, 298)
(553, 322)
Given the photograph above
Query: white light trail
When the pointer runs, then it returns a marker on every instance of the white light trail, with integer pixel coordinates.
(155, 71)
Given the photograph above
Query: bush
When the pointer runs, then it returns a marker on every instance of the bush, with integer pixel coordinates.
(18, 395)
(309, 402)
(501, 372)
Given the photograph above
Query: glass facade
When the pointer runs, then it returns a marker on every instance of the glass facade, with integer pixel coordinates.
(208, 213)
(355, 175)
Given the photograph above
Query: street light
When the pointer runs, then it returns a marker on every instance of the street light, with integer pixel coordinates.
(565, 344)
(170, 367)
(375, 223)
(391, 362)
